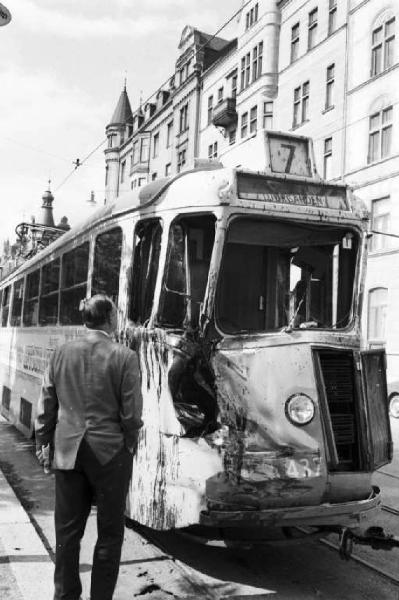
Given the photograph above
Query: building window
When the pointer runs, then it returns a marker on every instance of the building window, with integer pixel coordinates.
(169, 133)
(181, 160)
(252, 16)
(135, 153)
(327, 158)
(245, 71)
(210, 109)
(232, 136)
(234, 86)
(380, 221)
(155, 147)
(294, 42)
(257, 57)
(144, 149)
(253, 119)
(377, 313)
(380, 134)
(244, 125)
(267, 115)
(183, 123)
(168, 169)
(220, 95)
(312, 28)
(213, 151)
(382, 47)
(301, 104)
(123, 170)
(330, 80)
(332, 16)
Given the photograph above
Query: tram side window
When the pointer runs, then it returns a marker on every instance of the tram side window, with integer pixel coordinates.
(48, 312)
(147, 245)
(5, 305)
(16, 311)
(107, 263)
(75, 266)
(189, 254)
(31, 304)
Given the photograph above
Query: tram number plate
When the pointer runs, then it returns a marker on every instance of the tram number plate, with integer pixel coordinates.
(302, 468)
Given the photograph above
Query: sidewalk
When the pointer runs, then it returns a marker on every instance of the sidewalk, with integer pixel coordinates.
(25, 565)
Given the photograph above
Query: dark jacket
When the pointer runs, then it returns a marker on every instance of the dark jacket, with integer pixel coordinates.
(91, 389)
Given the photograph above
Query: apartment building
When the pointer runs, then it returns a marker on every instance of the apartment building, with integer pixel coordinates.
(160, 137)
(239, 89)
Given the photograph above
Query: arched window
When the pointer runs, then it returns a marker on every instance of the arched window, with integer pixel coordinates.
(382, 43)
(377, 312)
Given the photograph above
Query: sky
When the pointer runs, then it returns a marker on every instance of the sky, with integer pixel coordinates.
(62, 68)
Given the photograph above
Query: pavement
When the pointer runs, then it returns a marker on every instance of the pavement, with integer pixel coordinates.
(22, 552)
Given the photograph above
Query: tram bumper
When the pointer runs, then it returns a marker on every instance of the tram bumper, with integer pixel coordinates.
(353, 515)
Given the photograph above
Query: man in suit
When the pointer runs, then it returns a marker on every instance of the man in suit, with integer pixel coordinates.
(90, 414)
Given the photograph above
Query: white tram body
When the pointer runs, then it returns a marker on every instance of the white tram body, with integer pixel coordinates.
(241, 292)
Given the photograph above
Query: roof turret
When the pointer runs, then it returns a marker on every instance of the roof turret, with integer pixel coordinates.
(123, 112)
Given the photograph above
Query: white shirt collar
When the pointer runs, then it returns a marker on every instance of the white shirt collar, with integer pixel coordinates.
(99, 331)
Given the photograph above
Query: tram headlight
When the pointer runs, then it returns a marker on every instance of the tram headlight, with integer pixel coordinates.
(299, 409)
(394, 405)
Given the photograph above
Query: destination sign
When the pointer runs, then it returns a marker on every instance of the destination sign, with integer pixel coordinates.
(296, 193)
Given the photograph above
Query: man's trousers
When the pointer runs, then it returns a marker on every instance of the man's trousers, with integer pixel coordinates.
(74, 493)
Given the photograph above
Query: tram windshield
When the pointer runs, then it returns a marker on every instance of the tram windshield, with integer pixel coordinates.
(277, 274)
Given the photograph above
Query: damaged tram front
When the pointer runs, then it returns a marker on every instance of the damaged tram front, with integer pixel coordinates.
(261, 411)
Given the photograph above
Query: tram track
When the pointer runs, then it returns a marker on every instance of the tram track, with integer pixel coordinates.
(366, 563)
(374, 568)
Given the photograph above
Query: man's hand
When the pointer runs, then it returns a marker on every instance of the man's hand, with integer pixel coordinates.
(45, 458)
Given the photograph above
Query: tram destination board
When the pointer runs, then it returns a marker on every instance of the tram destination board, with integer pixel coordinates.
(267, 189)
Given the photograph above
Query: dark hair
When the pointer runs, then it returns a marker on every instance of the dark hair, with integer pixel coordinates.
(96, 311)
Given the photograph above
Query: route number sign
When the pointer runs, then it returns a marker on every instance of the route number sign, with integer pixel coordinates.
(289, 154)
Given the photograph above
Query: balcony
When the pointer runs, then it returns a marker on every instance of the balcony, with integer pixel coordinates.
(224, 113)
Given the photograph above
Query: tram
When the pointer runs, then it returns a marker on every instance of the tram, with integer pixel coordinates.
(241, 292)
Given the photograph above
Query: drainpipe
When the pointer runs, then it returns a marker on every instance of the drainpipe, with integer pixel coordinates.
(345, 105)
(197, 114)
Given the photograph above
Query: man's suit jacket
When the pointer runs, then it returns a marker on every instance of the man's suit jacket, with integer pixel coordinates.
(91, 390)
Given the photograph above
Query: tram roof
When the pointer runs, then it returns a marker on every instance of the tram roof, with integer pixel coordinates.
(216, 176)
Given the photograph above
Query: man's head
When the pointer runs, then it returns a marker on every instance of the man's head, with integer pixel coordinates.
(99, 312)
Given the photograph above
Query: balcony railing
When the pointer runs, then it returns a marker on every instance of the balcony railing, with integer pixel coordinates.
(224, 113)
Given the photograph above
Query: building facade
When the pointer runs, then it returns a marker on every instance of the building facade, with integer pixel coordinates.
(322, 68)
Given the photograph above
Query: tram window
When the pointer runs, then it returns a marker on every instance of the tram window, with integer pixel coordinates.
(299, 276)
(107, 263)
(31, 304)
(75, 266)
(147, 245)
(5, 306)
(16, 311)
(189, 254)
(48, 311)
